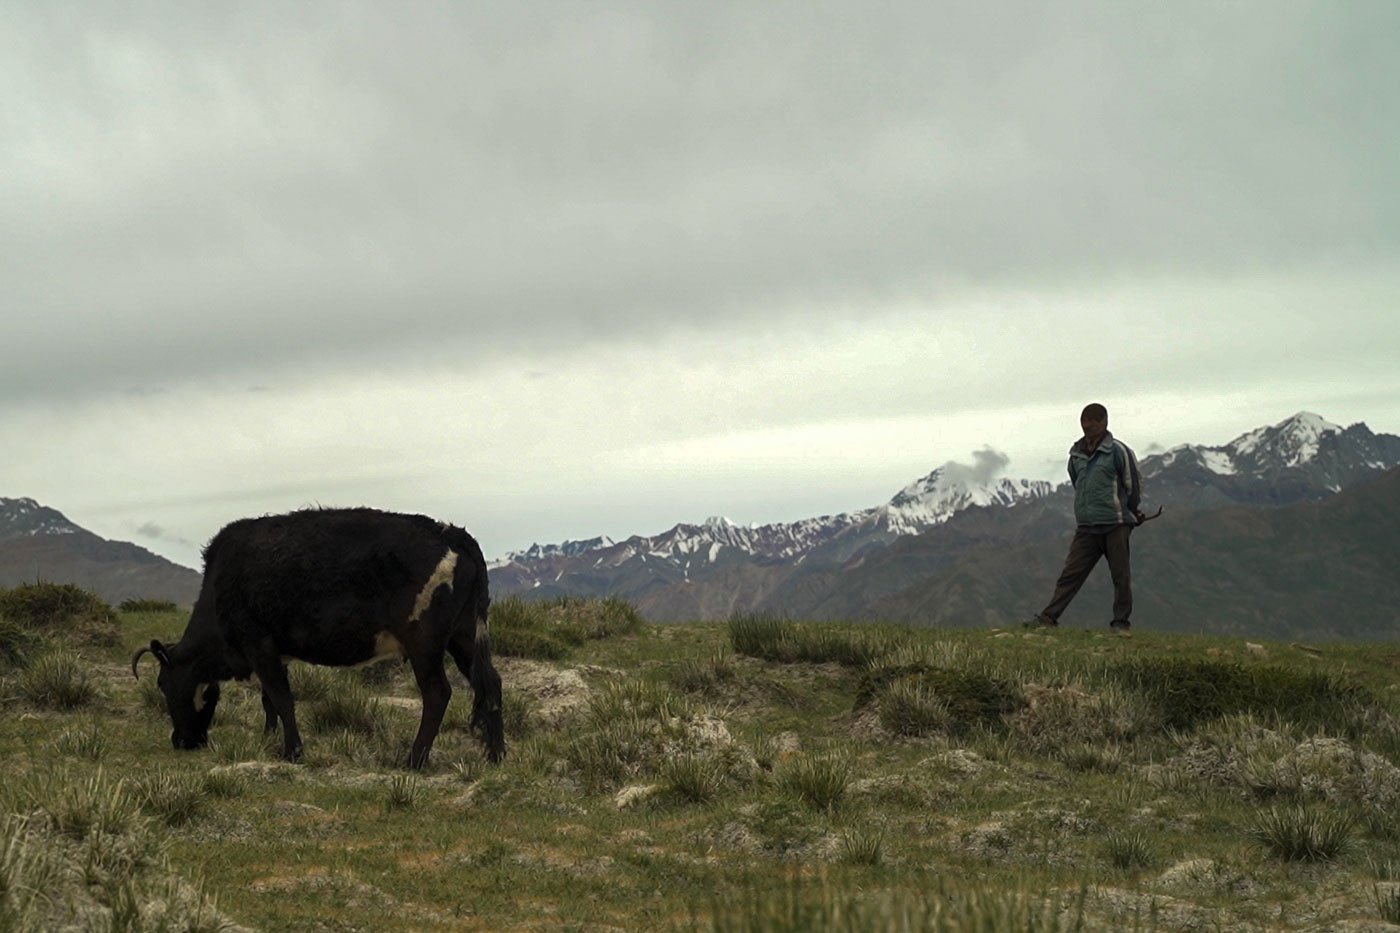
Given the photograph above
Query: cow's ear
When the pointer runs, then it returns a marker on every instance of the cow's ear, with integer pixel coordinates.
(157, 649)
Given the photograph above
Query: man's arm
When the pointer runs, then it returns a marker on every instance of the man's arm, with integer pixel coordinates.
(1132, 480)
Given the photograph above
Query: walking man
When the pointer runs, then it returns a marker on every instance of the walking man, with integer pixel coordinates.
(1107, 492)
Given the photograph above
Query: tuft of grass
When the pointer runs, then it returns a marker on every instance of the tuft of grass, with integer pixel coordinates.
(1303, 834)
(641, 698)
(310, 682)
(225, 785)
(765, 751)
(350, 746)
(62, 610)
(403, 792)
(1128, 850)
(819, 780)
(235, 745)
(910, 707)
(607, 755)
(350, 708)
(79, 804)
(89, 741)
(147, 605)
(29, 870)
(1085, 757)
(58, 680)
(696, 778)
(862, 847)
(174, 797)
(697, 675)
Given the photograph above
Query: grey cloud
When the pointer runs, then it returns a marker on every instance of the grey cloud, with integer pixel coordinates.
(155, 532)
(200, 191)
(987, 464)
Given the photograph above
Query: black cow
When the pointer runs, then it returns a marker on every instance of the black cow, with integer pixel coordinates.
(337, 587)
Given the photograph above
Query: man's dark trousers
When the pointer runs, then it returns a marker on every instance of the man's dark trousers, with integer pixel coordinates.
(1084, 553)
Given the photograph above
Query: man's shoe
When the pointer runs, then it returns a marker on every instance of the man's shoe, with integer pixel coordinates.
(1121, 628)
(1040, 622)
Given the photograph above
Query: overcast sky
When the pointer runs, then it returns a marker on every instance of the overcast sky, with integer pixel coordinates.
(551, 270)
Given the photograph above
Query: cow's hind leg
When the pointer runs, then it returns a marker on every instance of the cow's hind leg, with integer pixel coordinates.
(436, 691)
(269, 711)
(278, 703)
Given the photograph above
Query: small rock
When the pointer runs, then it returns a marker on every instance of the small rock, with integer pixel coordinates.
(787, 744)
(1257, 651)
(633, 794)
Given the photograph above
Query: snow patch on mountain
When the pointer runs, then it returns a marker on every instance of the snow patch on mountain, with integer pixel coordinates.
(27, 518)
(1292, 443)
(1295, 439)
(948, 490)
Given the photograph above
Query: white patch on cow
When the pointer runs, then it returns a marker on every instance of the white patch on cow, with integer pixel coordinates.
(442, 576)
(199, 697)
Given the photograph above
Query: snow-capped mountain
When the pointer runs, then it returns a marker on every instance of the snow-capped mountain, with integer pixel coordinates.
(948, 490)
(922, 504)
(27, 518)
(1307, 450)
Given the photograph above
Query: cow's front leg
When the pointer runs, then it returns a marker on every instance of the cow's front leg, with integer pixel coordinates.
(278, 704)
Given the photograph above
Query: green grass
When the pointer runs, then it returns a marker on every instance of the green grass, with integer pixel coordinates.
(58, 680)
(779, 776)
(1303, 834)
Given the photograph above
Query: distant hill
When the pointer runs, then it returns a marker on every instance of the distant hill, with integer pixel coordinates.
(39, 543)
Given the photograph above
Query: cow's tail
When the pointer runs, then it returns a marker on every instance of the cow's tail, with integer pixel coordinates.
(487, 717)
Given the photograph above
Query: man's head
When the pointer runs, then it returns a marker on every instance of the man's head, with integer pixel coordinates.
(1094, 420)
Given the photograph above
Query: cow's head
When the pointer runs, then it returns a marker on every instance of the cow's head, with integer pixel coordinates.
(189, 698)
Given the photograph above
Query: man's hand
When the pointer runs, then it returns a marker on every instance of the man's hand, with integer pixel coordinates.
(1137, 513)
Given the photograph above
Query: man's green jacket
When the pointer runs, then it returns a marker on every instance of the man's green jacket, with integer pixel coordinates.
(1107, 483)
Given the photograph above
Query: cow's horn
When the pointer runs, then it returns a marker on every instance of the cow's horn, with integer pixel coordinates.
(136, 657)
(155, 648)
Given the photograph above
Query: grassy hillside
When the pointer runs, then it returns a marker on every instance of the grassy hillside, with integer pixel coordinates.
(754, 775)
